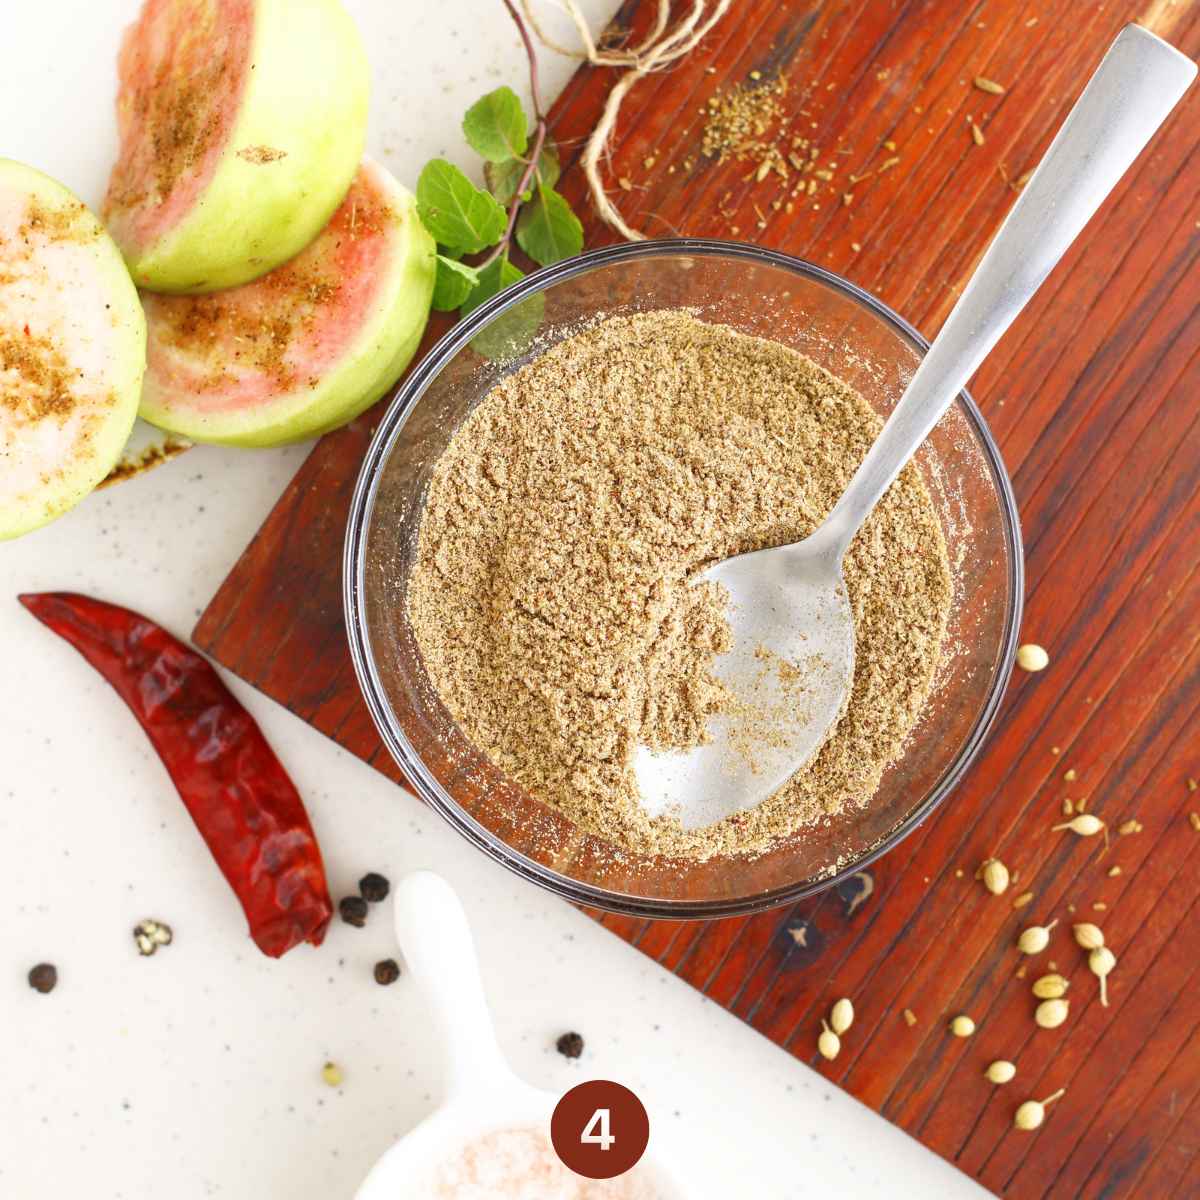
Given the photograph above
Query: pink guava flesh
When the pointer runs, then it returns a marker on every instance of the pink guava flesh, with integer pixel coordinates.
(182, 72)
(229, 352)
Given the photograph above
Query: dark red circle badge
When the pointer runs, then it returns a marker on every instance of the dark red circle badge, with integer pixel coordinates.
(600, 1129)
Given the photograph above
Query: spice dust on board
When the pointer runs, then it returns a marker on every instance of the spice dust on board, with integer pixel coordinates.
(550, 597)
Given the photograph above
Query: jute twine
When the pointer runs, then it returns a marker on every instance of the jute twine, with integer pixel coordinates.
(663, 46)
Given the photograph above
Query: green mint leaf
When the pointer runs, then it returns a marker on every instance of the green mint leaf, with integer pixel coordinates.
(511, 333)
(495, 277)
(455, 211)
(495, 126)
(502, 178)
(548, 230)
(454, 283)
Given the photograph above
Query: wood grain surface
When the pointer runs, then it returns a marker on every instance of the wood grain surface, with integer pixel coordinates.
(1093, 398)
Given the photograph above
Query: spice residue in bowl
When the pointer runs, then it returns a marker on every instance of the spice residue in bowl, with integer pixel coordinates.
(550, 596)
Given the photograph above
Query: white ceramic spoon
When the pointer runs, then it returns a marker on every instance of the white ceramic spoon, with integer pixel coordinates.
(481, 1092)
(789, 605)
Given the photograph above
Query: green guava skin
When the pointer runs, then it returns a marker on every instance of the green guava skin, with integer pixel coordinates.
(381, 350)
(307, 95)
(65, 483)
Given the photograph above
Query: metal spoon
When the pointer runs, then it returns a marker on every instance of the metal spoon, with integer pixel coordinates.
(792, 662)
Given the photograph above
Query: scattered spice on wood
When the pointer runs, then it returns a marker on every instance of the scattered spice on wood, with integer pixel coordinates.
(353, 910)
(1022, 179)
(1194, 820)
(43, 978)
(1192, 784)
(149, 935)
(739, 119)
(1113, 872)
(1067, 807)
(570, 1045)
(989, 85)
(1022, 900)
(386, 972)
(1071, 775)
(1099, 906)
(374, 887)
(976, 134)
(889, 163)
(910, 1017)
(1131, 826)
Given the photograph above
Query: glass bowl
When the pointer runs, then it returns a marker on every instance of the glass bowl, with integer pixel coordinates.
(759, 292)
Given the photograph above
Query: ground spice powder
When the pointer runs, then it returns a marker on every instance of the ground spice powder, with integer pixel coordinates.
(550, 597)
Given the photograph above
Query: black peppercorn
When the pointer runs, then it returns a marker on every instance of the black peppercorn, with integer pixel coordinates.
(353, 910)
(387, 971)
(570, 1045)
(43, 977)
(374, 887)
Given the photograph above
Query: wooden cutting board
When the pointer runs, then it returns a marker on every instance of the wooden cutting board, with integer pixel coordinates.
(1093, 397)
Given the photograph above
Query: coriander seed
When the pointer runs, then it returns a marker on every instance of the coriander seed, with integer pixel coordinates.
(1031, 657)
(1050, 1014)
(1000, 1072)
(962, 1026)
(829, 1044)
(1101, 961)
(995, 876)
(1033, 1112)
(1085, 825)
(1036, 938)
(1051, 987)
(841, 1016)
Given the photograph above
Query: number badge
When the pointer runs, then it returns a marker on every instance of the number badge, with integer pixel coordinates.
(600, 1129)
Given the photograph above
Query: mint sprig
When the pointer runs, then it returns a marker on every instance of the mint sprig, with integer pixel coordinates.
(518, 203)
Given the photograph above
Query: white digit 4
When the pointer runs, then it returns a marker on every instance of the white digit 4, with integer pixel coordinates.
(599, 1121)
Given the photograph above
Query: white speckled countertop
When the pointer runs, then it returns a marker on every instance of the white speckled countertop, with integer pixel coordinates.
(197, 1073)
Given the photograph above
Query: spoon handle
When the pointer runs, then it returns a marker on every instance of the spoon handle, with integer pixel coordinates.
(435, 940)
(1136, 85)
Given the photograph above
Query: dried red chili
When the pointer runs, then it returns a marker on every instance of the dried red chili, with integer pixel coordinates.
(234, 787)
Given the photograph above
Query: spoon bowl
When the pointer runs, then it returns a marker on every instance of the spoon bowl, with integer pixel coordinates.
(788, 675)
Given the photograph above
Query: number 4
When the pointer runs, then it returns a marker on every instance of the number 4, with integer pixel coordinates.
(599, 1120)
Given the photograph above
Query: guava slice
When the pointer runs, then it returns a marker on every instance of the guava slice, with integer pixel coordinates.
(307, 347)
(72, 350)
(242, 123)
